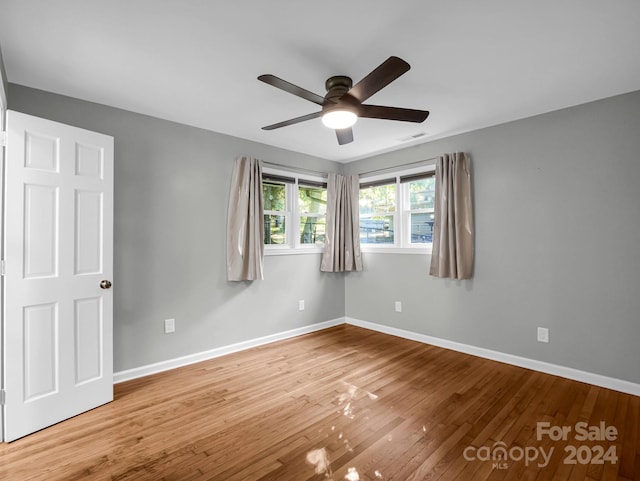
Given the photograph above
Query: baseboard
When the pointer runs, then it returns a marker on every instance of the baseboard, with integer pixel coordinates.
(137, 372)
(556, 370)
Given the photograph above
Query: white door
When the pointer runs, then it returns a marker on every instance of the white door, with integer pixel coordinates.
(58, 251)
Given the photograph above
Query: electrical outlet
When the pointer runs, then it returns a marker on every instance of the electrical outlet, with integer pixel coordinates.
(301, 305)
(398, 306)
(543, 334)
(169, 326)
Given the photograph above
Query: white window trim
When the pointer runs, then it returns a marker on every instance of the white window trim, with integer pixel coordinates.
(402, 227)
(293, 245)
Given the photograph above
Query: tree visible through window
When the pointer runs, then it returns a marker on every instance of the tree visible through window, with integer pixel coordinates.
(312, 206)
(275, 212)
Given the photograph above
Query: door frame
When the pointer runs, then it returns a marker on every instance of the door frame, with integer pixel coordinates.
(3, 110)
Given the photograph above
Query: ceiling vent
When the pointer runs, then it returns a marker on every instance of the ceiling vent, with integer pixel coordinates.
(414, 136)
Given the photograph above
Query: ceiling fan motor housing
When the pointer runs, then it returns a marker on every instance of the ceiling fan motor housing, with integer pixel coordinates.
(335, 98)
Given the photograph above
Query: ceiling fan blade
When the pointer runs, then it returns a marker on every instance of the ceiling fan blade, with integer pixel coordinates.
(297, 120)
(291, 88)
(392, 113)
(344, 135)
(380, 77)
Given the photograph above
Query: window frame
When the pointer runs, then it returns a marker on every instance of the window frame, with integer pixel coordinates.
(402, 215)
(292, 243)
(302, 182)
(382, 182)
(286, 213)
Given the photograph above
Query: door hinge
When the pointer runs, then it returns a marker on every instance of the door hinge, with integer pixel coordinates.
(3, 139)
(2, 267)
(2, 397)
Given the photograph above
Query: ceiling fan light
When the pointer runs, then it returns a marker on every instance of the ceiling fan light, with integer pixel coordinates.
(339, 119)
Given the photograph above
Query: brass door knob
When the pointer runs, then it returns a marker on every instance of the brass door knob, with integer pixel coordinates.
(105, 284)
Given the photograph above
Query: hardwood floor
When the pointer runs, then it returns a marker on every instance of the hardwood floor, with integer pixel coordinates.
(363, 405)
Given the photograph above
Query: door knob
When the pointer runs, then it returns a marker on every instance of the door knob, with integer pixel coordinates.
(105, 284)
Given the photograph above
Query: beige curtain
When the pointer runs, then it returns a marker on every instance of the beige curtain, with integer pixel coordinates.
(452, 254)
(245, 222)
(342, 236)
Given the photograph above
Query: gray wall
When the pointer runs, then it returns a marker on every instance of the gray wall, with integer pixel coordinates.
(557, 211)
(557, 241)
(171, 188)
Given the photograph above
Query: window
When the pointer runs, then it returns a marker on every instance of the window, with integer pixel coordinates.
(293, 203)
(312, 209)
(275, 211)
(419, 192)
(397, 211)
(378, 212)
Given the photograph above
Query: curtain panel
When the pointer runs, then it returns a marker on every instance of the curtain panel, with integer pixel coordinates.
(453, 230)
(342, 236)
(245, 222)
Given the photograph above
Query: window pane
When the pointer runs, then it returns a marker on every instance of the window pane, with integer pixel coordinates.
(274, 232)
(422, 228)
(379, 199)
(274, 196)
(312, 230)
(312, 200)
(376, 230)
(422, 193)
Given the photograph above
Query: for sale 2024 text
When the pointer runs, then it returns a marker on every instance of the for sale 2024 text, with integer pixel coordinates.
(582, 431)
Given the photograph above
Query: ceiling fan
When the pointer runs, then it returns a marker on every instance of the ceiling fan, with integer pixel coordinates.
(342, 104)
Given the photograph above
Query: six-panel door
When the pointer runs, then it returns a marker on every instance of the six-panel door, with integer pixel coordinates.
(58, 249)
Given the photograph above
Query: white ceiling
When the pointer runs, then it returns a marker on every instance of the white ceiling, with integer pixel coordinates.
(473, 63)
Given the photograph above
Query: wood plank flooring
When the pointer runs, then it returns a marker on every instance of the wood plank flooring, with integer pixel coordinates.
(341, 404)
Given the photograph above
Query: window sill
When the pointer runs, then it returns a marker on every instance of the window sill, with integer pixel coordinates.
(288, 251)
(395, 250)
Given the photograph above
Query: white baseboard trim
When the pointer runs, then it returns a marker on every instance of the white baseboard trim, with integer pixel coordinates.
(554, 369)
(137, 372)
(562, 371)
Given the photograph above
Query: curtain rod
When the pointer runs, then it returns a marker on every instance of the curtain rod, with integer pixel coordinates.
(425, 162)
(298, 170)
